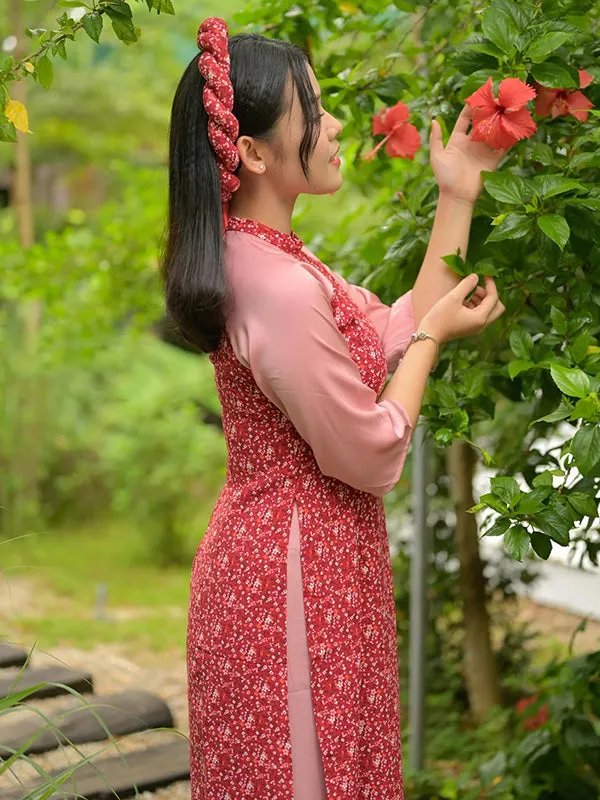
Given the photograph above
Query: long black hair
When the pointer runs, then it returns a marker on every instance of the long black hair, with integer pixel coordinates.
(192, 261)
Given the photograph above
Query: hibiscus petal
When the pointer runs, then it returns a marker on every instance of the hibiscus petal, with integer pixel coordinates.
(578, 106)
(544, 100)
(483, 97)
(584, 79)
(379, 122)
(487, 128)
(404, 142)
(519, 124)
(560, 106)
(513, 94)
(397, 115)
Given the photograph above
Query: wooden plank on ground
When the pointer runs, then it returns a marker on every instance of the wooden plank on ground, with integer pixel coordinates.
(116, 777)
(82, 682)
(77, 722)
(11, 655)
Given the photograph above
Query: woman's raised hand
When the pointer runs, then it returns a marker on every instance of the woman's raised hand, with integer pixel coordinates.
(455, 317)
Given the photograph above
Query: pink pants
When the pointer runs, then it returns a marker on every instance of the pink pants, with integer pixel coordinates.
(307, 764)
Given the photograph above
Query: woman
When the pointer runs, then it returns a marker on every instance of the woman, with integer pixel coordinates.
(292, 659)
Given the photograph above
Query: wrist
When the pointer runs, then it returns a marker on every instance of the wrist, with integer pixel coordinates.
(451, 198)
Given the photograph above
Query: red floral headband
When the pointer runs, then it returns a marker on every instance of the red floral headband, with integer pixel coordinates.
(223, 127)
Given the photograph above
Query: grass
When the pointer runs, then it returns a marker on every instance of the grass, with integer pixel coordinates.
(146, 606)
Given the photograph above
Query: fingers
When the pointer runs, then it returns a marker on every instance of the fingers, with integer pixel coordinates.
(436, 144)
(466, 286)
(464, 119)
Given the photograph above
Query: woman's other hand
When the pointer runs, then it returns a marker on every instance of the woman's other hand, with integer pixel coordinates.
(456, 317)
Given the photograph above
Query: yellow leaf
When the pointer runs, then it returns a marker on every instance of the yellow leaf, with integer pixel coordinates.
(348, 8)
(29, 66)
(16, 113)
(593, 349)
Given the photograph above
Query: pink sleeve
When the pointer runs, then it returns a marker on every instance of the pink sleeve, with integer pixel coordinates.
(284, 331)
(395, 324)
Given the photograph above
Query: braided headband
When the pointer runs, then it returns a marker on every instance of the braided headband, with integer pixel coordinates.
(223, 127)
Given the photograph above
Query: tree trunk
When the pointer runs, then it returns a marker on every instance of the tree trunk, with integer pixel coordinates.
(24, 390)
(21, 190)
(481, 671)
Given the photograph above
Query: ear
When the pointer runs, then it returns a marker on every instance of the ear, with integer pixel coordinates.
(251, 157)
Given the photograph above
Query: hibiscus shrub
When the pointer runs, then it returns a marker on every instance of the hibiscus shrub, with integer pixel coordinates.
(554, 749)
(531, 72)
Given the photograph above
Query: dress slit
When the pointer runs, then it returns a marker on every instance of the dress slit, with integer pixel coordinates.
(307, 763)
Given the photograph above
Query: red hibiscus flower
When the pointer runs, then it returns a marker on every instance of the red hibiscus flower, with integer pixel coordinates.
(560, 102)
(502, 122)
(532, 721)
(402, 140)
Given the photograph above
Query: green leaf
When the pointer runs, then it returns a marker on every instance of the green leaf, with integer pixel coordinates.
(44, 72)
(584, 160)
(505, 187)
(507, 489)
(444, 436)
(550, 185)
(521, 343)
(584, 504)
(588, 408)
(542, 153)
(70, 3)
(558, 320)
(516, 367)
(500, 29)
(541, 544)
(389, 89)
(562, 412)
(539, 49)
(555, 228)
(61, 49)
(543, 479)
(572, 382)
(514, 226)
(553, 76)
(473, 382)
(555, 522)
(580, 735)
(586, 448)
(494, 503)
(7, 130)
(456, 263)
(121, 20)
(499, 527)
(579, 348)
(534, 501)
(166, 6)
(92, 25)
(445, 394)
(517, 542)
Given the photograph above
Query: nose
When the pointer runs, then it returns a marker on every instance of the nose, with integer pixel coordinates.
(336, 128)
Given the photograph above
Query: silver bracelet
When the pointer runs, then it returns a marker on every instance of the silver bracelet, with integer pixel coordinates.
(419, 336)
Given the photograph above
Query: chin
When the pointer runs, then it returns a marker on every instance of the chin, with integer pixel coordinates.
(332, 188)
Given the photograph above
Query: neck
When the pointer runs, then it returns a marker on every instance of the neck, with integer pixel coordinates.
(262, 206)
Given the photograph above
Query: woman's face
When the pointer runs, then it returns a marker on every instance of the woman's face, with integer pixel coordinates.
(325, 176)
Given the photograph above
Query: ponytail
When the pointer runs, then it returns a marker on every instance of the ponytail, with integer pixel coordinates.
(192, 264)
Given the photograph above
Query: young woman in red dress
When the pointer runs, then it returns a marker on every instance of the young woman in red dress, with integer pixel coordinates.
(292, 657)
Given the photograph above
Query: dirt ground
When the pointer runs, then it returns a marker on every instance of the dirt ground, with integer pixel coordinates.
(115, 669)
